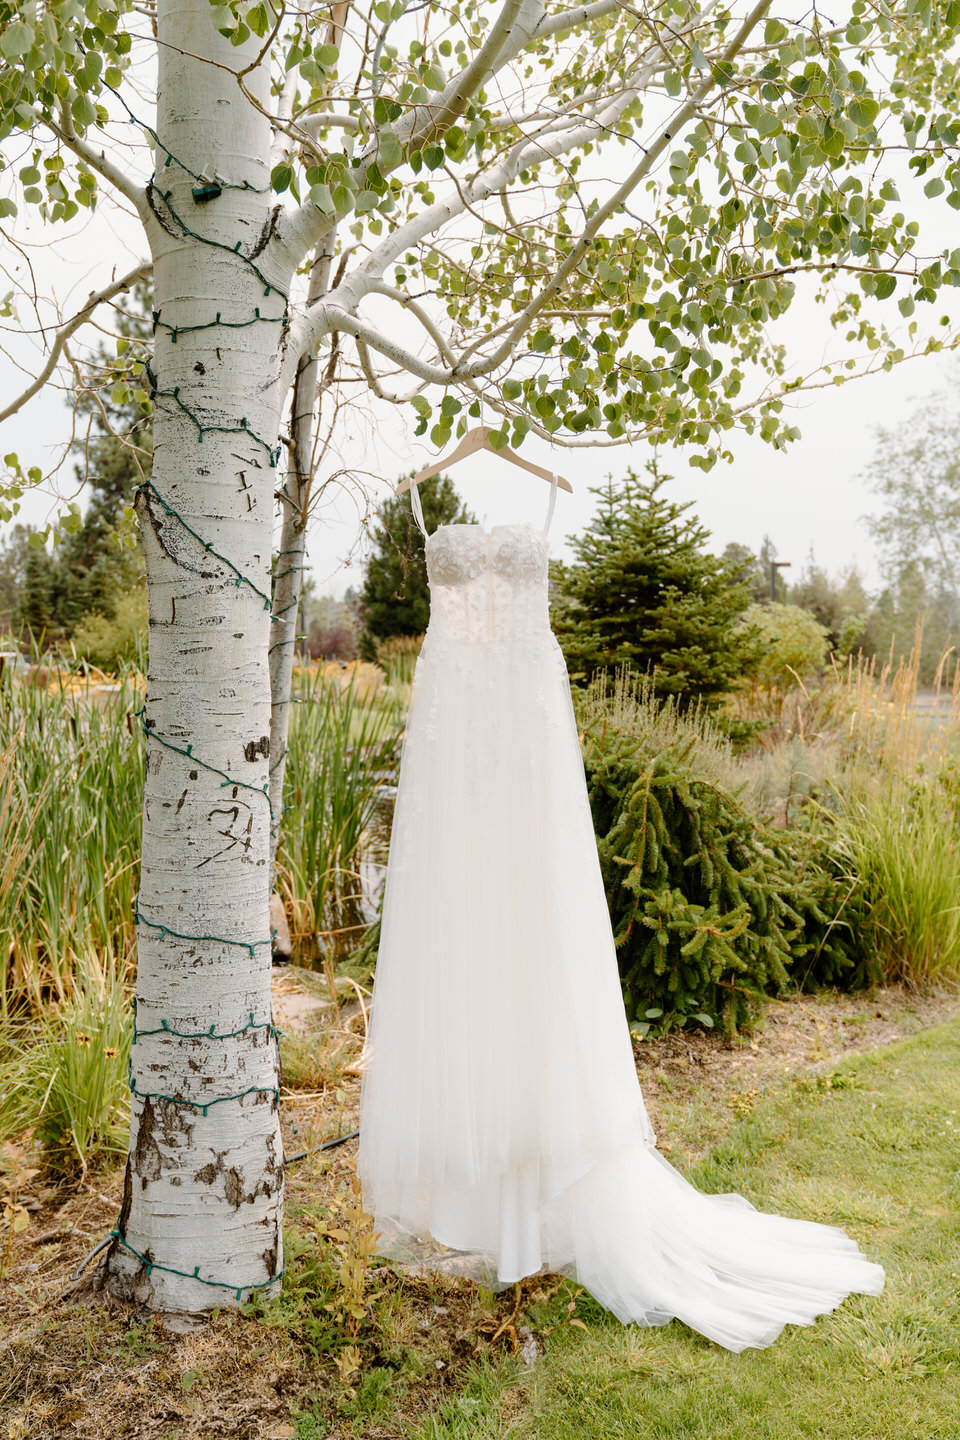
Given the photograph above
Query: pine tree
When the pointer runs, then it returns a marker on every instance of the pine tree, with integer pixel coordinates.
(646, 593)
(89, 570)
(395, 599)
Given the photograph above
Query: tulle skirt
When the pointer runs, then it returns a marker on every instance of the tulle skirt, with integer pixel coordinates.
(501, 1112)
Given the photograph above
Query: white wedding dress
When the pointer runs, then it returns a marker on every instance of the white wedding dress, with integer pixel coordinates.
(501, 1111)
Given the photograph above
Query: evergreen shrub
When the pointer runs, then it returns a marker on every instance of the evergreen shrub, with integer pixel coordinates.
(712, 909)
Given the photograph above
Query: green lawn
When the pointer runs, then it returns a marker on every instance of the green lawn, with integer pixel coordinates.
(874, 1148)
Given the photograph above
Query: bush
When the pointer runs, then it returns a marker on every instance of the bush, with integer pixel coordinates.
(793, 645)
(397, 657)
(112, 645)
(711, 908)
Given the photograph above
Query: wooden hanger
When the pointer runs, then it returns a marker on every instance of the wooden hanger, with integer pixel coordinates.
(470, 443)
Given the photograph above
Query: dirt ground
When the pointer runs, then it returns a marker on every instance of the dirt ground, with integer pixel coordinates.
(74, 1363)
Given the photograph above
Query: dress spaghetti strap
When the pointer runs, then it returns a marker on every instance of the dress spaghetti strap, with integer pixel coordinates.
(417, 509)
(552, 505)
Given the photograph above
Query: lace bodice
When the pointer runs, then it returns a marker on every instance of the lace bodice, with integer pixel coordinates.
(488, 585)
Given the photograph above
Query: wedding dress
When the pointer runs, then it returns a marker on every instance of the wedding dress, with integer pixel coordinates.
(501, 1111)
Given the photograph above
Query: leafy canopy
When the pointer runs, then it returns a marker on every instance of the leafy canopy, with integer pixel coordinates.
(593, 220)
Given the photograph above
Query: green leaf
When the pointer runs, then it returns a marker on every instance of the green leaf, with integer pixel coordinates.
(281, 176)
(886, 284)
(863, 111)
(433, 156)
(84, 111)
(16, 40)
(774, 32)
(934, 187)
(327, 56)
(258, 19)
(831, 141)
(321, 197)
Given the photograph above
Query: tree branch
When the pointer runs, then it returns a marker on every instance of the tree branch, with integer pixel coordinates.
(517, 23)
(118, 178)
(578, 15)
(140, 272)
(506, 37)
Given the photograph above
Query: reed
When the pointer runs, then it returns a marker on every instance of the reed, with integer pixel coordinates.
(342, 753)
(397, 657)
(63, 1075)
(71, 777)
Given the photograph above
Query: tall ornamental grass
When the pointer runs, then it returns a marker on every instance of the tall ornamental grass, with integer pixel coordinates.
(904, 848)
(343, 751)
(71, 781)
(63, 1075)
(71, 777)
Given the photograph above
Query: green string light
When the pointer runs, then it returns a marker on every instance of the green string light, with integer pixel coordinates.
(202, 180)
(249, 945)
(194, 1274)
(202, 1105)
(273, 451)
(269, 287)
(206, 544)
(164, 1028)
(187, 753)
(219, 323)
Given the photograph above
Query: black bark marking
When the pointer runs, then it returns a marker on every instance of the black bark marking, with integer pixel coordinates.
(168, 533)
(247, 460)
(270, 1259)
(194, 774)
(233, 1189)
(253, 748)
(127, 1200)
(161, 217)
(199, 368)
(180, 802)
(147, 1160)
(268, 229)
(244, 839)
(246, 490)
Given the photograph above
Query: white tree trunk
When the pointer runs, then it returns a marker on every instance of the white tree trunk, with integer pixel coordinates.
(203, 1191)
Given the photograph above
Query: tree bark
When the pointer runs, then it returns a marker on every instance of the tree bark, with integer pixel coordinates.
(288, 582)
(200, 1220)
